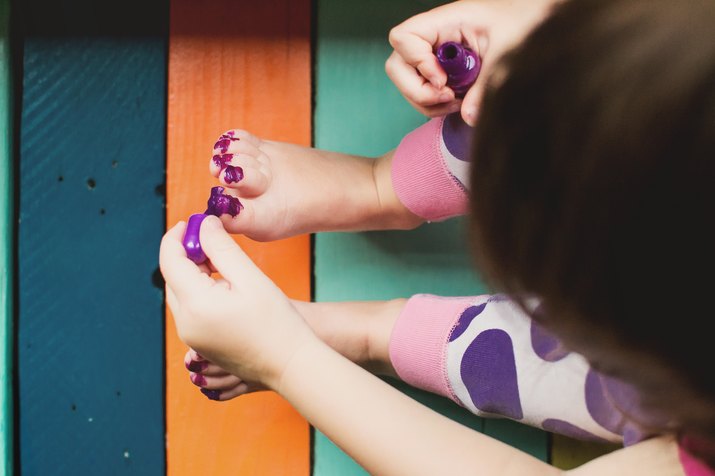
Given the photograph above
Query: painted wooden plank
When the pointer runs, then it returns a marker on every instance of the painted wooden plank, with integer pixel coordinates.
(92, 155)
(7, 244)
(359, 111)
(567, 453)
(235, 64)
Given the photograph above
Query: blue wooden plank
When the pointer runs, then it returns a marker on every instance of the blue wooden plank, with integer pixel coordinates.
(359, 111)
(92, 159)
(7, 244)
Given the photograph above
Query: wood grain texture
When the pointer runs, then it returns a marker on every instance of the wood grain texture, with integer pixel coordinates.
(359, 111)
(235, 64)
(7, 244)
(91, 218)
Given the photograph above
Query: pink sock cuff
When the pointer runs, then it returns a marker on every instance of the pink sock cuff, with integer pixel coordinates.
(420, 176)
(418, 344)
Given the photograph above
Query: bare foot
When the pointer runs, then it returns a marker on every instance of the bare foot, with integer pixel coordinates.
(288, 190)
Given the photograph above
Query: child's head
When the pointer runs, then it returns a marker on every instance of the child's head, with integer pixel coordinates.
(593, 188)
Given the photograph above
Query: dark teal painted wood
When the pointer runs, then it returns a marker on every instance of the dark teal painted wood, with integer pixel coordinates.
(358, 110)
(7, 244)
(91, 358)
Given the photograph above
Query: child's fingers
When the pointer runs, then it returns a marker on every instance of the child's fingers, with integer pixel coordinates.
(181, 274)
(414, 86)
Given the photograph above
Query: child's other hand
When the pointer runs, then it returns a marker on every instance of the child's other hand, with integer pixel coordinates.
(242, 322)
(489, 27)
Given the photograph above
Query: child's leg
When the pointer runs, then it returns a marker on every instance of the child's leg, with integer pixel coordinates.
(287, 189)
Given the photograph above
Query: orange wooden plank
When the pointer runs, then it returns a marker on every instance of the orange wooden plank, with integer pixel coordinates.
(235, 64)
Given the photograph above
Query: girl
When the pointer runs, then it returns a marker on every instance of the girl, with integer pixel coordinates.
(590, 183)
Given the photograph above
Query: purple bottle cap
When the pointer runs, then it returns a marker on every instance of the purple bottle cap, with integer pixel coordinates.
(461, 64)
(191, 242)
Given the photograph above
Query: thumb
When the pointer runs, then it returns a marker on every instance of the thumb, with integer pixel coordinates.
(225, 254)
(471, 101)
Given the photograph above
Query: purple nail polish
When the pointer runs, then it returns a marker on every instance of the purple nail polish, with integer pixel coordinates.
(211, 394)
(198, 380)
(233, 174)
(222, 145)
(220, 203)
(191, 242)
(461, 64)
(222, 160)
(195, 366)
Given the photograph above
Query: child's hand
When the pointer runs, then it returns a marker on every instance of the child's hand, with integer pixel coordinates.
(243, 322)
(489, 27)
(359, 331)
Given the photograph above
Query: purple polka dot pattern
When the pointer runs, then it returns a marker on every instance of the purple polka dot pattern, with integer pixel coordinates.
(457, 136)
(488, 370)
(220, 203)
(600, 407)
(545, 345)
(465, 319)
(565, 428)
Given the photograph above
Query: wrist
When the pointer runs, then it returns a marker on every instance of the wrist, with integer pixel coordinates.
(390, 209)
(379, 331)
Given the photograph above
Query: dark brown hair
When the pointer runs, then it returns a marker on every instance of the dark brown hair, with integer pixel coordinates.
(593, 189)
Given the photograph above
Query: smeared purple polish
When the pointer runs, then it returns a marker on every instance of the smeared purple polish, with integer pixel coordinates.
(198, 380)
(211, 394)
(461, 64)
(191, 242)
(222, 160)
(220, 203)
(222, 145)
(233, 174)
(195, 366)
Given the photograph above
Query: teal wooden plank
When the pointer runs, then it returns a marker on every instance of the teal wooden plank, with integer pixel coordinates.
(7, 245)
(359, 111)
(92, 161)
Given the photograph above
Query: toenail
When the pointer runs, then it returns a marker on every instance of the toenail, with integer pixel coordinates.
(211, 394)
(233, 174)
(220, 203)
(195, 366)
(197, 379)
(222, 145)
(222, 160)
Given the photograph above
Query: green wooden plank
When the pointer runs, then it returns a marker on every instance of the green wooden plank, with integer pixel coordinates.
(7, 244)
(359, 111)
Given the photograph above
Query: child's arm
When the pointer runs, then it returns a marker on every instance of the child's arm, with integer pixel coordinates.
(245, 324)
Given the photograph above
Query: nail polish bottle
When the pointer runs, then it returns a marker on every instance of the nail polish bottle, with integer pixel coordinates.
(461, 64)
(191, 242)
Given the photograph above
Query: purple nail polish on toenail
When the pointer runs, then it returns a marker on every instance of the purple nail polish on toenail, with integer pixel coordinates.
(222, 160)
(211, 394)
(220, 203)
(222, 145)
(233, 174)
(198, 380)
(195, 366)
(191, 242)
